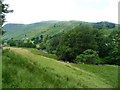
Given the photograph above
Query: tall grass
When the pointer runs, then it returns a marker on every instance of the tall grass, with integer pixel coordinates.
(40, 52)
(24, 69)
(107, 72)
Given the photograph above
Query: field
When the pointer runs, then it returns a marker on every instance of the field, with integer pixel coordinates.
(29, 68)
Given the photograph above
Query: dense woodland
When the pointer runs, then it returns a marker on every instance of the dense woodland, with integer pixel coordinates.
(95, 43)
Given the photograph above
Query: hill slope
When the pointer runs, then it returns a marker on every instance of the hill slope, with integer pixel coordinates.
(21, 31)
(23, 68)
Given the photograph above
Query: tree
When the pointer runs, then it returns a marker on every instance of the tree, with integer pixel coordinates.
(42, 46)
(114, 48)
(65, 53)
(89, 56)
(3, 10)
(11, 42)
(100, 25)
(51, 45)
(75, 41)
(101, 40)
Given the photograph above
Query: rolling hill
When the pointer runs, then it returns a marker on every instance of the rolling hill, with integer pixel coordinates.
(51, 28)
(28, 68)
(20, 31)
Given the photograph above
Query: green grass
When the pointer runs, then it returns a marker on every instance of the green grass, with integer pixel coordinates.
(107, 72)
(39, 52)
(26, 69)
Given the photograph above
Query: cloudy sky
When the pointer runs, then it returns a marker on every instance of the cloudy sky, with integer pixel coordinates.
(30, 11)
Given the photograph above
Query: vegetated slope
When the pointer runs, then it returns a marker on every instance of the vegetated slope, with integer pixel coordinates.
(108, 72)
(21, 31)
(23, 68)
(51, 28)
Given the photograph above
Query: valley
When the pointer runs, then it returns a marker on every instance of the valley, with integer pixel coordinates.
(60, 54)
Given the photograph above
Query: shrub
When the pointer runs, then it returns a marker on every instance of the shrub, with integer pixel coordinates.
(89, 56)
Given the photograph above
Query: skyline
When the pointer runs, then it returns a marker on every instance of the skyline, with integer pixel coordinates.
(63, 10)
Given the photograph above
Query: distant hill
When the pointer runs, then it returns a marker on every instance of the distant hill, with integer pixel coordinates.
(22, 31)
(28, 31)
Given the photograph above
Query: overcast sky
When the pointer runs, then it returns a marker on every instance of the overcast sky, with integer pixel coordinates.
(30, 11)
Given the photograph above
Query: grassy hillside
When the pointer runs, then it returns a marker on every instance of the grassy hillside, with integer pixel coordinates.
(28, 31)
(23, 68)
(21, 31)
(104, 71)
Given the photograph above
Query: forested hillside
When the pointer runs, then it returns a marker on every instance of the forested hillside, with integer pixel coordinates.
(73, 41)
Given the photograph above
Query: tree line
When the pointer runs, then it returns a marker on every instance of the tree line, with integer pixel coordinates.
(86, 44)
